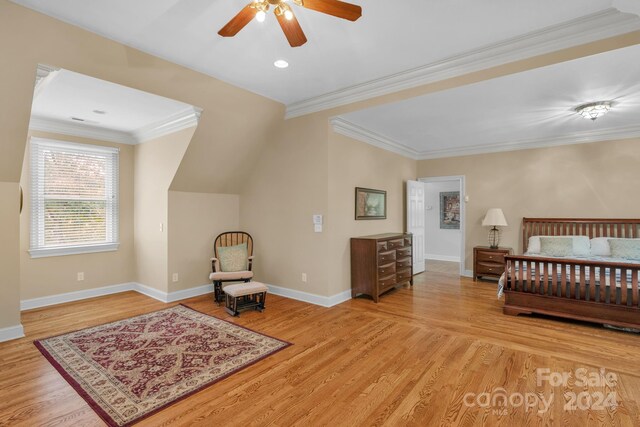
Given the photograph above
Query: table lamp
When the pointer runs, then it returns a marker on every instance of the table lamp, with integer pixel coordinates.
(494, 218)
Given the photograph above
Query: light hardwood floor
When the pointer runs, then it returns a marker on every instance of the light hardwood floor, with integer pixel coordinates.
(446, 267)
(409, 360)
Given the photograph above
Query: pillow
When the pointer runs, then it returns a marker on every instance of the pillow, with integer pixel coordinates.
(625, 248)
(533, 247)
(233, 258)
(600, 246)
(556, 246)
(580, 245)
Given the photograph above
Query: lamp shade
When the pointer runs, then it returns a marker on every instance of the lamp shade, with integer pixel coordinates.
(494, 218)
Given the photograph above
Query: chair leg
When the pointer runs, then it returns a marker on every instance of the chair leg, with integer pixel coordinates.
(217, 291)
(261, 300)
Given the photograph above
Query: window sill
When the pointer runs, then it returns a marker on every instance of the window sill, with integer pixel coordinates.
(73, 250)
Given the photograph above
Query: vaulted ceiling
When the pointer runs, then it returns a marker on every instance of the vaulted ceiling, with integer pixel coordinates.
(400, 45)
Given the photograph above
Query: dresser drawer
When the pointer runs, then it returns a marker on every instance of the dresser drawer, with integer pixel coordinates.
(404, 252)
(403, 275)
(493, 257)
(407, 241)
(382, 246)
(489, 268)
(387, 281)
(386, 257)
(397, 243)
(404, 262)
(387, 269)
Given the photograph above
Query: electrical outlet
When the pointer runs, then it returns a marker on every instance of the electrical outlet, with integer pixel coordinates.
(304, 277)
(175, 277)
(80, 276)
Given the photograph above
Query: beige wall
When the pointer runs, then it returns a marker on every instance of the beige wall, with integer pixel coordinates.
(9, 255)
(584, 181)
(195, 219)
(41, 277)
(284, 189)
(28, 38)
(356, 164)
(156, 163)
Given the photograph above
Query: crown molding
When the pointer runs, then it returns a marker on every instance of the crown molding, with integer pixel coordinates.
(525, 144)
(175, 123)
(628, 6)
(351, 130)
(597, 26)
(169, 125)
(63, 127)
(44, 75)
(346, 128)
(43, 71)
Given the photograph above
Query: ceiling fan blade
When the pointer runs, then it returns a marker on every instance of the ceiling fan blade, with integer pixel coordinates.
(292, 30)
(239, 21)
(337, 8)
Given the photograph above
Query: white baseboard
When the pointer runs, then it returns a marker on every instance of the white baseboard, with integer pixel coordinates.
(30, 304)
(436, 257)
(468, 273)
(189, 293)
(311, 298)
(11, 333)
(174, 296)
(151, 292)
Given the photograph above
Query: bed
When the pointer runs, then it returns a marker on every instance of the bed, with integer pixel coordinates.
(594, 287)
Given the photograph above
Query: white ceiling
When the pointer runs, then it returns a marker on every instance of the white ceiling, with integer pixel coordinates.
(529, 109)
(391, 37)
(132, 114)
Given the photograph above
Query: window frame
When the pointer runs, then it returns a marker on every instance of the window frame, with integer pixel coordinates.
(37, 248)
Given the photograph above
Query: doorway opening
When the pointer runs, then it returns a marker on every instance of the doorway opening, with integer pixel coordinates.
(444, 237)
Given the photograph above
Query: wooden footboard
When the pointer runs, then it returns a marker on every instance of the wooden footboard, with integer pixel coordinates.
(602, 292)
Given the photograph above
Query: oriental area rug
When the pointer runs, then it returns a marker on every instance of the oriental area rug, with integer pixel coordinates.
(130, 369)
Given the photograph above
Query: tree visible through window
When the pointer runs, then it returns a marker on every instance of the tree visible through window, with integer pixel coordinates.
(74, 197)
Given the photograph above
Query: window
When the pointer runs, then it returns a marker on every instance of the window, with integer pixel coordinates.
(74, 198)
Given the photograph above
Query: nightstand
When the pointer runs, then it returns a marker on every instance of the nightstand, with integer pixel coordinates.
(488, 262)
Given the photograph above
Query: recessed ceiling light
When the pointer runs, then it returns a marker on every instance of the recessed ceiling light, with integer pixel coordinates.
(281, 63)
(99, 111)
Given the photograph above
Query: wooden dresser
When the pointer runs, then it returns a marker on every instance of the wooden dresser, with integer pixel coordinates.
(489, 262)
(380, 263)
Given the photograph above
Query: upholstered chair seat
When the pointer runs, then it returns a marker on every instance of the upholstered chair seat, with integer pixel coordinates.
(231, 275)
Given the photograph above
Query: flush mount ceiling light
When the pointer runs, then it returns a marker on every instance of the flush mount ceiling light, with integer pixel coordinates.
(281, 63)
(284, 14)
(593, 110)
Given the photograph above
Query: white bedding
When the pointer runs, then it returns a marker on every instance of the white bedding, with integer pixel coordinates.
(501, 282)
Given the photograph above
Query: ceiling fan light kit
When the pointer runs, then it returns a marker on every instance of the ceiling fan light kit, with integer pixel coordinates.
(286, 18)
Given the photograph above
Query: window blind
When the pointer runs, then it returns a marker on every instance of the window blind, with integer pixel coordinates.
(74, 198)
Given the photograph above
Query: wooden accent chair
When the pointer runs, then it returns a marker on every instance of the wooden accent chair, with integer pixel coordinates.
(217, 276)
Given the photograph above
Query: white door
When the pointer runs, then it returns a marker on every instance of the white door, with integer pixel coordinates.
(416, 222)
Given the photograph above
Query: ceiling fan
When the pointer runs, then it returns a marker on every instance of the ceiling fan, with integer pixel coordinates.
(284, 14)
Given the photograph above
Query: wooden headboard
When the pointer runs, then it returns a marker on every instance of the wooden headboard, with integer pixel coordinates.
(621, 228)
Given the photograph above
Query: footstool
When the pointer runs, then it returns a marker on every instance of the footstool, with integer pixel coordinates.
(243, 296)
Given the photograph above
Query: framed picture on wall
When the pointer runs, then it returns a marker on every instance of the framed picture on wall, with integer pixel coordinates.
(371, 204)
(450, 210)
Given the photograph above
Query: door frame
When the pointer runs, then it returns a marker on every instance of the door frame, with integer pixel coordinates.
(463, 214)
